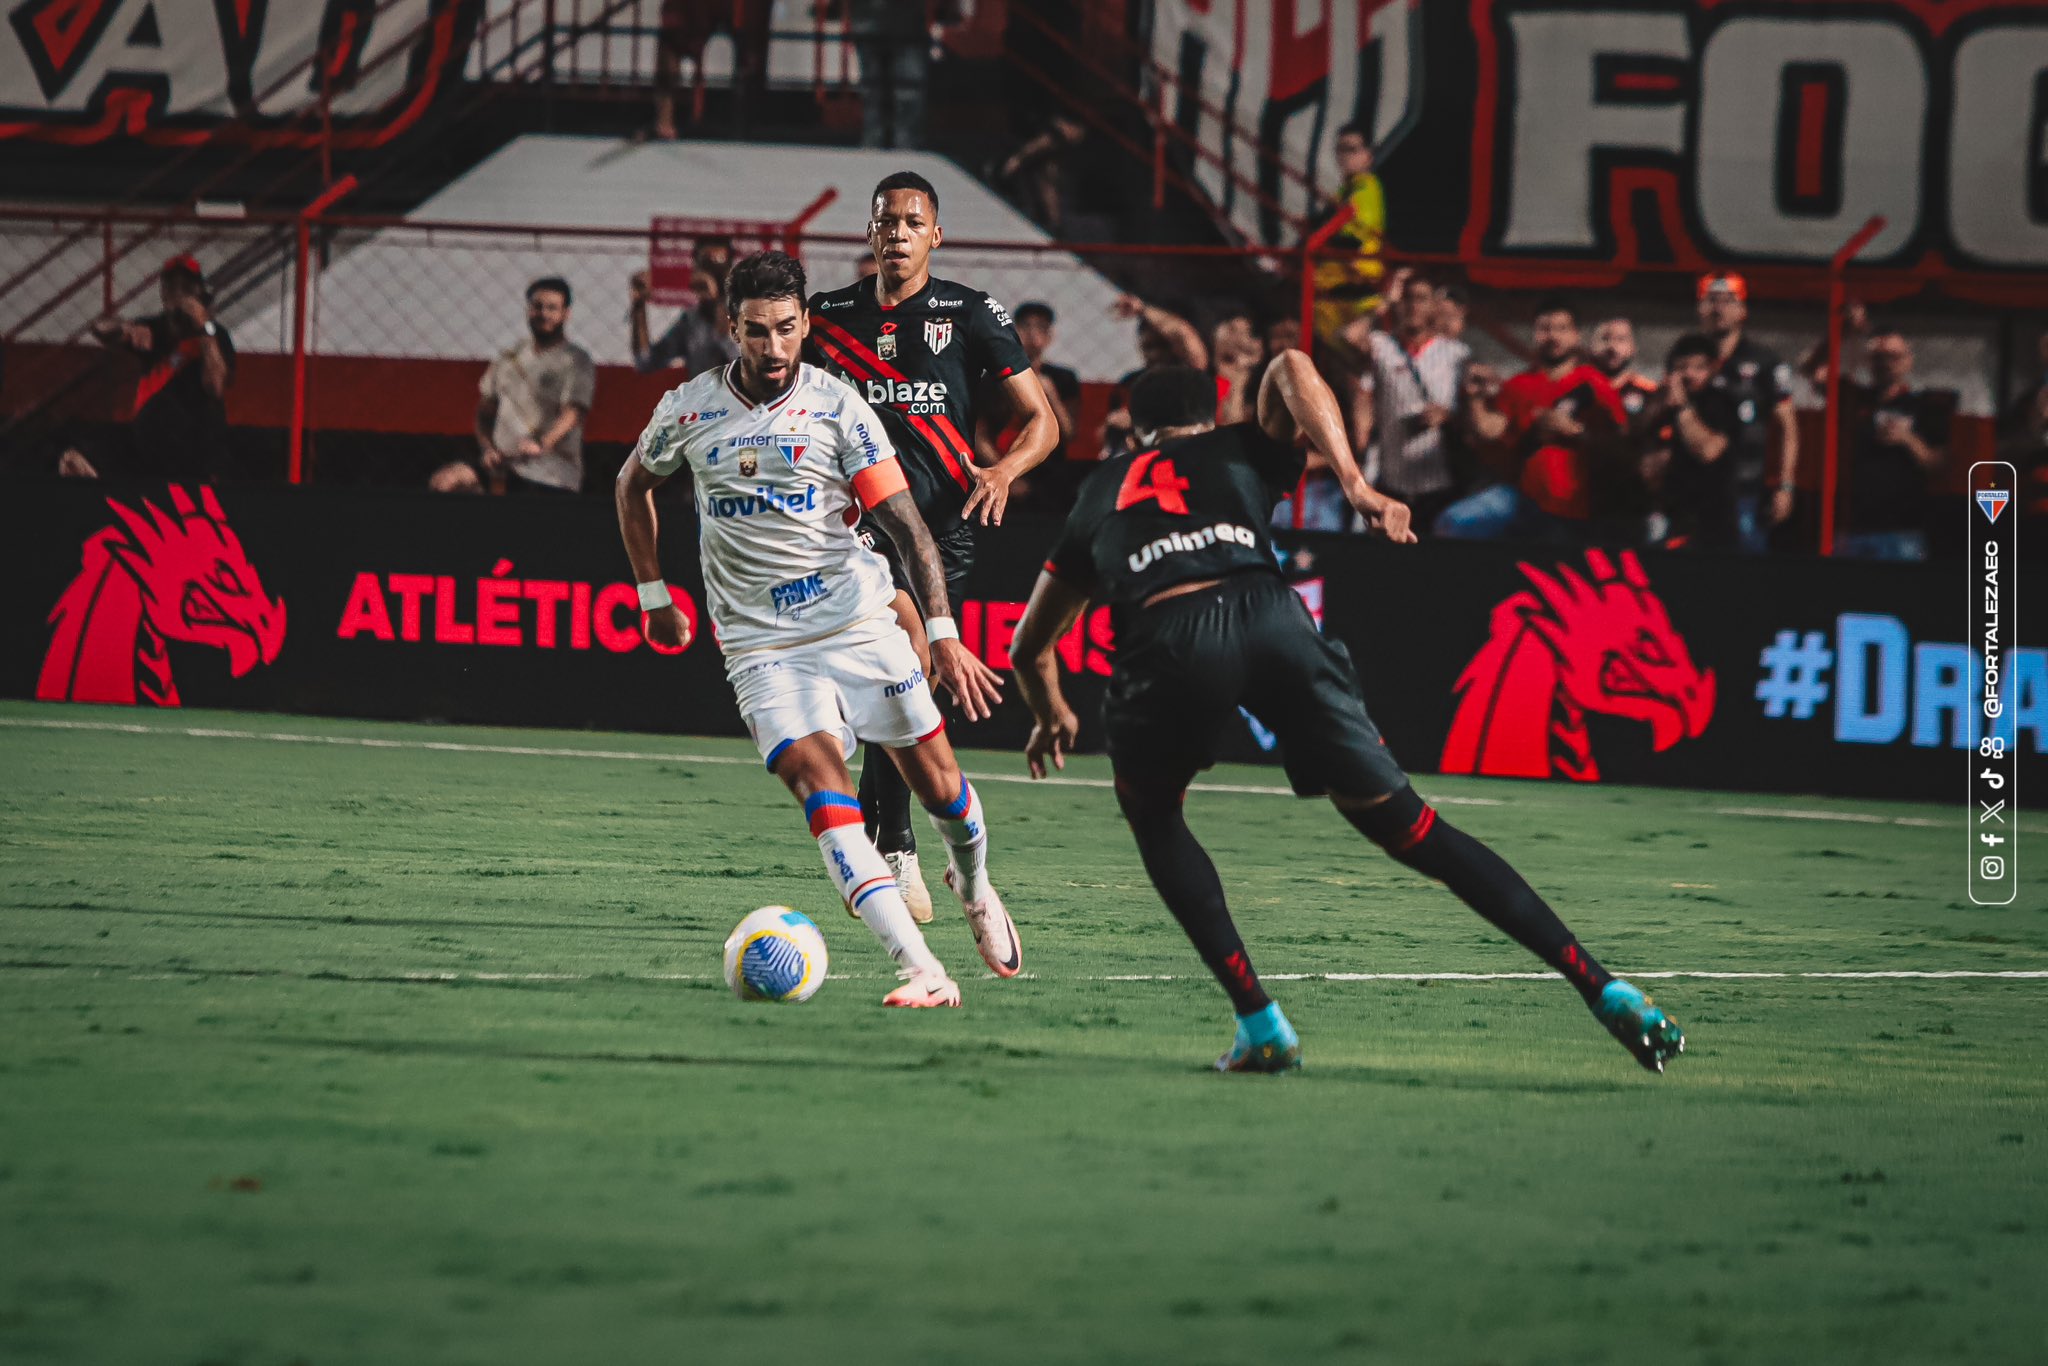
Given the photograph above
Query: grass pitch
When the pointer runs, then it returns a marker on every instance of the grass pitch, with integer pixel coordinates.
(389, 1053)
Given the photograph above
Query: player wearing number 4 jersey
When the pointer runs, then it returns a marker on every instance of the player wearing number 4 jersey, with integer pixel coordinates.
(781, 455)
(1174, 539)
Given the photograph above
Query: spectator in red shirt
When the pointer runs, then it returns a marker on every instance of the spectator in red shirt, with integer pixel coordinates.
(1548, 428)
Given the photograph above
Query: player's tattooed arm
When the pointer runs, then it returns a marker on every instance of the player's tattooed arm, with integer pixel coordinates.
(975, 686)
(666, 628)
(1051, 613)
(1294, 401)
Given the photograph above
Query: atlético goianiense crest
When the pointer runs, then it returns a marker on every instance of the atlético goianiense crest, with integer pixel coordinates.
(937, 334)
(792, 447)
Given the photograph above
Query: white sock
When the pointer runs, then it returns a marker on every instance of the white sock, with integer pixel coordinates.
(965, 831)
(866, 884)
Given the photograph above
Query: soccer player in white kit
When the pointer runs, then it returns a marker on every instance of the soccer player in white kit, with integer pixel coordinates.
(783, 456)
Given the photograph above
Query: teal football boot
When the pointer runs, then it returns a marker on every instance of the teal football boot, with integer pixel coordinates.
(1641, 1025)
(1265, 1043)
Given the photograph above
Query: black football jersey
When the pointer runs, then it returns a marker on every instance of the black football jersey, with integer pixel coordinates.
(1196, 507)
(1756, 382)
(918, 365)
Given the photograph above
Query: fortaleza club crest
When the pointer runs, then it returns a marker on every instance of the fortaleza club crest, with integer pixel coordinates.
(937, 334)
(1993, 502)
(1573, 646)
(151, 579)
(792, 445)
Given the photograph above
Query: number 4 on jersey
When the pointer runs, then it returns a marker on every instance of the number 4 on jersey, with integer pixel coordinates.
(1153, 478)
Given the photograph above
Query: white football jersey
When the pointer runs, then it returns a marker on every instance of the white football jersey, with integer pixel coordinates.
(776, 503)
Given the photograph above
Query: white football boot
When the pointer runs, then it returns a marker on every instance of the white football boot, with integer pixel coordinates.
(910, 882)
(995, 934)
(925, 989)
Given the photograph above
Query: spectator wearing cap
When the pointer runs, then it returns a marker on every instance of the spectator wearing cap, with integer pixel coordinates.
(1895, 440)
(531, 405)
(699, 338)
(1759, 384)
(177, 423)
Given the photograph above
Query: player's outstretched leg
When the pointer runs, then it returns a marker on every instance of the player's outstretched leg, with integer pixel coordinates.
(1181, 871)
(885, 799)
(1411, 830)
(955, 808)
(816, 774)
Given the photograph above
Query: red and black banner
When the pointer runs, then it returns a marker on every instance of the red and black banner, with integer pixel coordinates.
(1620, 133)
(173, 72)
(1572, 665)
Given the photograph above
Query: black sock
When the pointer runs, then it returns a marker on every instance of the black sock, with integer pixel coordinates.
(885, 802)
(1187, 882)
(1413, 833)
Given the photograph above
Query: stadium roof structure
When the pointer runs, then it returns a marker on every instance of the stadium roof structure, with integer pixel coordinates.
(456, 294)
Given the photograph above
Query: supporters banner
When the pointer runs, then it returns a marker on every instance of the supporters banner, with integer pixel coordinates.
(178, 71)
(1573, 665)
(1759, 132)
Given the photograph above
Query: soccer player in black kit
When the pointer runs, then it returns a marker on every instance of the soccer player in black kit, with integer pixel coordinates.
(1173, 537)
(918, 347)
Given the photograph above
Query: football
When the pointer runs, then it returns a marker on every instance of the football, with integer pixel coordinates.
(775, 954)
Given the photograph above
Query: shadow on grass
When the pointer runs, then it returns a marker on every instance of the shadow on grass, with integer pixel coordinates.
(455, 1048)
(349, 918)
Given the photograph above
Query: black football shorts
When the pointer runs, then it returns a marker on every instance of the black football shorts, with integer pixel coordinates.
(1184, 667)
(956, 554)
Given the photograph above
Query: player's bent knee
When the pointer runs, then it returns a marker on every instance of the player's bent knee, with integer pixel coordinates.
(1397, 824)
(1147, 800)
(811, 763)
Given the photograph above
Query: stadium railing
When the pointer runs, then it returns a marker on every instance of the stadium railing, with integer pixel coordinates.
(368, 326)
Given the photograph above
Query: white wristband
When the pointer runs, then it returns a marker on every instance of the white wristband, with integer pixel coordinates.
(941, 628)
(654, 596)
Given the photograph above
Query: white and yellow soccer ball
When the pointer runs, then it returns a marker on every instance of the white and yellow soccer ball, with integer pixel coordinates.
(775, 954)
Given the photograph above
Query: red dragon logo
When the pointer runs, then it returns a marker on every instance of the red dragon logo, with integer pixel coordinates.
(1566, 649)
(151, 580)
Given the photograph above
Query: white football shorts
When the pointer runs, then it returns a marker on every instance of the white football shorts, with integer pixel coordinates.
(861, 684)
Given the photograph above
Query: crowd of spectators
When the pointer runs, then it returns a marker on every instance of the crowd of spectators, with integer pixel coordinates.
(1584, 444)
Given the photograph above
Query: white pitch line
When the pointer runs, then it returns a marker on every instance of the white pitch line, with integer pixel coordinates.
(431, 976)
(627, 755)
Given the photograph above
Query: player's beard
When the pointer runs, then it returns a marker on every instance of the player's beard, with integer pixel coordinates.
(761, 387)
